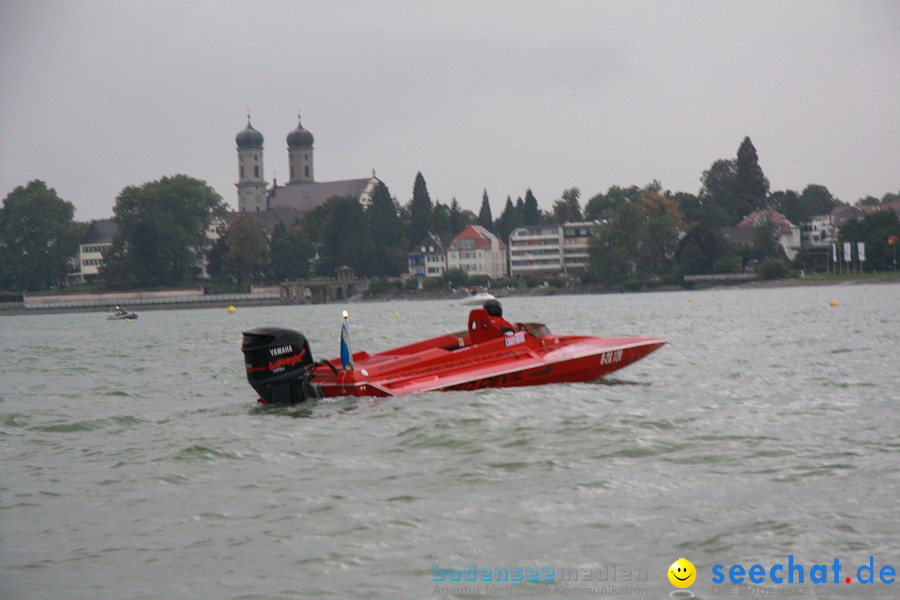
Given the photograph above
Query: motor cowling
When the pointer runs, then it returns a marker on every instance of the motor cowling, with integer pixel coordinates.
(279, 365)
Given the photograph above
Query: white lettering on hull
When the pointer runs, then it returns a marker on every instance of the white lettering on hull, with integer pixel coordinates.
(612, 357)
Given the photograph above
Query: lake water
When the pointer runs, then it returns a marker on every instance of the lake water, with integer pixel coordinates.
(136, 463)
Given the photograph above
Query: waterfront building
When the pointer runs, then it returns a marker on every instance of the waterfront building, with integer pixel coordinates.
(551, 250)
(787, 234)
(429, 257)
(89, 258)
(477, 251)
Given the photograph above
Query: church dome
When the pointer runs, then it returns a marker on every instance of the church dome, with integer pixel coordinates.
(249, 137)
(299, 138)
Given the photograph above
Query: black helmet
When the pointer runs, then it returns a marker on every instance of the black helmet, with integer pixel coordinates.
(493, 308)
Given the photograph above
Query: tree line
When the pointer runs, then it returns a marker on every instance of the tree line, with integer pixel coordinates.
(651, 235)
(644, 234)
(372, 240)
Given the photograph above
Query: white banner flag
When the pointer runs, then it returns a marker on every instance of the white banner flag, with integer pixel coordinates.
(846, 251)
(861, 251)
(833, 252)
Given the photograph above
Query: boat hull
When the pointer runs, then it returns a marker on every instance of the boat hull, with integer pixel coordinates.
(450, 363)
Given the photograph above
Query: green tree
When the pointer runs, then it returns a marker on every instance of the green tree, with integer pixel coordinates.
(455, 278)
(772, 267)
(567, 208)
(765, 242)
(614, 250)
(484, 214)
(37, 237)
(614, 196)
(789, 203)
(531, 214)
(457, 222)
(868, 201)
(875, 231)
(637, 240)
(468, 218)
(801, 208)
(388, 244)
(419, 209)
(719, 190)
(699, 250)
(291, 251)
(242, 253)
(751, 185)
(701, 210)
(162, 232)
(817, 200)
(663, 220)
(441, 219)
(346, 238)
(315, 221)
(508, 221)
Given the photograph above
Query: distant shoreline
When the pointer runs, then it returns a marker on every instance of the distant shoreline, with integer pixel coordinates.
(19, 308)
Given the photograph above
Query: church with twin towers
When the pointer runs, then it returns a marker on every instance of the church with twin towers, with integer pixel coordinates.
(287, 203)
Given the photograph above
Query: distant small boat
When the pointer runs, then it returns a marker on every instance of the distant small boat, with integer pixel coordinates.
(118, 313)
(477, 295)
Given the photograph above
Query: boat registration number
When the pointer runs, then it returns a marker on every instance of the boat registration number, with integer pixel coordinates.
(611, 357)
(516, 338)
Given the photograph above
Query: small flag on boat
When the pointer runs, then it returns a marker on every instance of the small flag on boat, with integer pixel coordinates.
(346, 354)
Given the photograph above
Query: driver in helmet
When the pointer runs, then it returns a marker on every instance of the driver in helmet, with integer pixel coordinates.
(495, 311)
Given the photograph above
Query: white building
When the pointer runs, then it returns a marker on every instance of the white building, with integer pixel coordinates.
(428, 258)
(541, 250)
(576, 237)
(822, 231)
(89, 259)
(534, 250)
(477, 251)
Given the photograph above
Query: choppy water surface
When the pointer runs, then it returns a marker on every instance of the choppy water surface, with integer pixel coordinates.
(136, 463)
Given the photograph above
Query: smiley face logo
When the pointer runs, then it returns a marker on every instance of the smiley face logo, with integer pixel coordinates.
(682, 573)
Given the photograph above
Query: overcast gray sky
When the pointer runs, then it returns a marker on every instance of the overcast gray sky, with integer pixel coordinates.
(503, 96)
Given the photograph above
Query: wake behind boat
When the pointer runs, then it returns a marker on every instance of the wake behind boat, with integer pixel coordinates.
(281, 369)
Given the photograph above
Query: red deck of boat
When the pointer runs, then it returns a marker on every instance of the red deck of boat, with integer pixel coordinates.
(453, 362)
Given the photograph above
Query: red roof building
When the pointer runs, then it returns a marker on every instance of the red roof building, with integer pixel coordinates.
(477, 251)
(744, 232)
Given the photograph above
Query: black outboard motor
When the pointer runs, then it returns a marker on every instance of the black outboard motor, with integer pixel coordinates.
(279, 365)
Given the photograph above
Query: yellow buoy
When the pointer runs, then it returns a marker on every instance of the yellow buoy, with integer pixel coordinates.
(396, 314)
(833, 303)
(128, 320)
(231, 309)
(690, 299)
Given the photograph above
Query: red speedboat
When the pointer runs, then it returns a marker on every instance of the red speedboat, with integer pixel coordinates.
(281, 369)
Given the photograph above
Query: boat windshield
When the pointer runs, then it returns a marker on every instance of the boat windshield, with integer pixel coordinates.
(538, 330)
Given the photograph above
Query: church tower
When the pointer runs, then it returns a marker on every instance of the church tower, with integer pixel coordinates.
(251, 185)
(300, 155)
